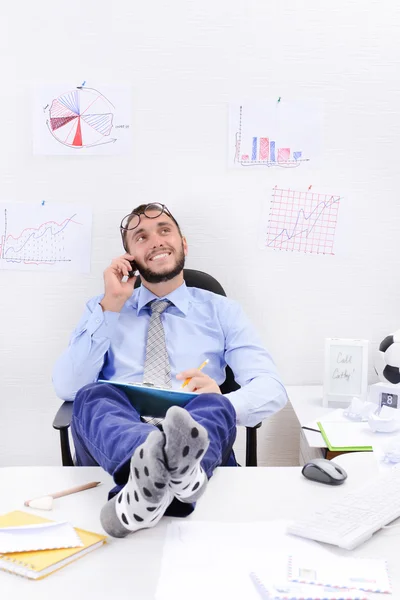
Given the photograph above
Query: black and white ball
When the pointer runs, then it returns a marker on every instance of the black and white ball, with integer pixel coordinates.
(389, 358)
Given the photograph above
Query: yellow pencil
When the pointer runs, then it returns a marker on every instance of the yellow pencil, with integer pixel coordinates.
(199, 369)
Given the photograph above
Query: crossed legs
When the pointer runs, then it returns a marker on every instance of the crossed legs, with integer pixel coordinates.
(153, 466)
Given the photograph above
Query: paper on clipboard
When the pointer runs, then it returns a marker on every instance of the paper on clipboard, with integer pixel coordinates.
(152, 400)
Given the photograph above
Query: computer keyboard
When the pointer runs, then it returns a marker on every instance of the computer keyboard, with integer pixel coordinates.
(352, 519)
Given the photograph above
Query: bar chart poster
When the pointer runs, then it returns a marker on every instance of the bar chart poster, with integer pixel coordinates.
(301, 221)
(274, 134)
(45, 237)
(82, 120)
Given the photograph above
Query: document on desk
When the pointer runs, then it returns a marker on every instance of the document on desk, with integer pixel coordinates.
(272, 572)
(222, 560)
(298, 591)
(368, 575)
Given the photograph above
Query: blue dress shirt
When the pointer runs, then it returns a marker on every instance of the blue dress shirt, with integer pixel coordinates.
(198, 325)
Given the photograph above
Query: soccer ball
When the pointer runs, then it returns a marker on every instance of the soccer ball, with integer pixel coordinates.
(389, 359)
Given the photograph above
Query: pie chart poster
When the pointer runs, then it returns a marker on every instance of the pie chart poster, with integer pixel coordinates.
(82, 120)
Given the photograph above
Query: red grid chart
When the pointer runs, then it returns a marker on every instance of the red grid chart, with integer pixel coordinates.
(302, 221)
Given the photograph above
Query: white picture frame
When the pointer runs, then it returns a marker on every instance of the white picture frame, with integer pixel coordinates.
(345, 371)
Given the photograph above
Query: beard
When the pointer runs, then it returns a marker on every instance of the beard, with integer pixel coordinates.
(153, 277)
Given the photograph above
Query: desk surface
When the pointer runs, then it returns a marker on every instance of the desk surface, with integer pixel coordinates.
(133, 564)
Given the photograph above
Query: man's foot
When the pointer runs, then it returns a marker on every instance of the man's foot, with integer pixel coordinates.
(186, 444)
(146, 496)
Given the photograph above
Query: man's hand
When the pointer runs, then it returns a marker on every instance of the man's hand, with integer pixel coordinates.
(117, 291)
(199, 382)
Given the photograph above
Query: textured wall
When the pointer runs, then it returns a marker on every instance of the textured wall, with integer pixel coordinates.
(185, 61)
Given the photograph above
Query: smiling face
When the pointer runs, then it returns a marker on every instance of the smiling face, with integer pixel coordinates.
(158, 248)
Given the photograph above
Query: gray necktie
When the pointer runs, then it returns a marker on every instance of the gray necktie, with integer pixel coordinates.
(157, 369)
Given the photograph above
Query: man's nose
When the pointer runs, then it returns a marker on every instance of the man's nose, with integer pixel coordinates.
(156, 240)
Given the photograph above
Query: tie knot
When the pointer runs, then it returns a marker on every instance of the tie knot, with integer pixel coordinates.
(158, 306)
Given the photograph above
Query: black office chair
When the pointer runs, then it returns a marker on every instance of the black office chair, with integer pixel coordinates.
(193, 278)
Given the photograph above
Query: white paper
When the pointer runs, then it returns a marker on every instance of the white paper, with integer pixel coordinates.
(43, 536)
(82, 120)
(343, 433)
(214, 560)
(386, 452)
(274, 134)
(345, 369)
(45, 237)
(369, 575)
(273, 565)
(301, 220)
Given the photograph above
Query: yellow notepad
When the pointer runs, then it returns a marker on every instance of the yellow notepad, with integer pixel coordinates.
(40, 563)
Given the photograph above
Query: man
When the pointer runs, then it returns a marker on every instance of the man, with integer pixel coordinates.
(158, 333)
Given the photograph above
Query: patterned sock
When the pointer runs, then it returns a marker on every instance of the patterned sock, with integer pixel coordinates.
(146, 496)
(186, 443)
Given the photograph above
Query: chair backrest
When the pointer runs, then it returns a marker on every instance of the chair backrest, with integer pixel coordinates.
(204, 281)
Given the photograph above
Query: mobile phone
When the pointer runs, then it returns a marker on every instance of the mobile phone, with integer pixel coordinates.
(133, 269)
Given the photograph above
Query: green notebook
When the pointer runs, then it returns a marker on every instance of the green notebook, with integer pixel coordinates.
(347, 436)
(152, 401)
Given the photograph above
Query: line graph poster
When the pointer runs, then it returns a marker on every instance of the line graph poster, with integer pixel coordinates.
(302, 221)
(45, 237)
(274, 134)
(82, 120)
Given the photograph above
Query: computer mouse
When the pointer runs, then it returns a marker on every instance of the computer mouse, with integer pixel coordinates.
(324, 471)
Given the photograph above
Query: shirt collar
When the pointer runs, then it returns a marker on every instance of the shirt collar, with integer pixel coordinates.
(179, 298)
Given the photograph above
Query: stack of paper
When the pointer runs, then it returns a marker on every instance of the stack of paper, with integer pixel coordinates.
(35, 547)
(40, 536)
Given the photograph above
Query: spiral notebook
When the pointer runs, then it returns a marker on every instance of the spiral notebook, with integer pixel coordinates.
(40, 563)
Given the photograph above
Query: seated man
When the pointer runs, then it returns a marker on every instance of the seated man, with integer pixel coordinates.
(157, 334)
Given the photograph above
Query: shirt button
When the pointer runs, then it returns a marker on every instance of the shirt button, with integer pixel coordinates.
(97, 320)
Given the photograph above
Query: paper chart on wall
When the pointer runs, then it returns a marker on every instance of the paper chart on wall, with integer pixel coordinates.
(274, 134)
(303, 221)
(80, 119)
(45, 237)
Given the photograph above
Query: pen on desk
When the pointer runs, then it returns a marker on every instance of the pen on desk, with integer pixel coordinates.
(45, 502)
(199, 369)
(311, 429)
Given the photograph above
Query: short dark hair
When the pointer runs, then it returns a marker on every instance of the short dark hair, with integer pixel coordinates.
(139, 210)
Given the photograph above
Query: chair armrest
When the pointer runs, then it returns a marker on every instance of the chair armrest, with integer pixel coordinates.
(251, 445)
(62, 420)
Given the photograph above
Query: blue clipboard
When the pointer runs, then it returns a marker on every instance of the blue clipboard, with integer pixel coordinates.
(151, 401)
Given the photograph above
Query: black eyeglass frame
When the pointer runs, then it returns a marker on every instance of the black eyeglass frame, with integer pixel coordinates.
(152, 206)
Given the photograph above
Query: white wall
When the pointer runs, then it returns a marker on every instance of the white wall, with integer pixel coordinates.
(185, 61)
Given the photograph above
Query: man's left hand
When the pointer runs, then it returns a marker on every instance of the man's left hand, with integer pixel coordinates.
(199, 382)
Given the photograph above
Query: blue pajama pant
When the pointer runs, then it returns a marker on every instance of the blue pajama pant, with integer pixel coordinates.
(107, 429)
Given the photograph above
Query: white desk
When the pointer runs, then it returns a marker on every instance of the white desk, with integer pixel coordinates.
(129, 568)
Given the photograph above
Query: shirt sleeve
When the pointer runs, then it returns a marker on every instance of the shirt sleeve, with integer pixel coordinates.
(262, 392)
(83, 360)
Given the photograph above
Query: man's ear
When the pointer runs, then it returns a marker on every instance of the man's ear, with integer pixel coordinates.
(185, 245)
